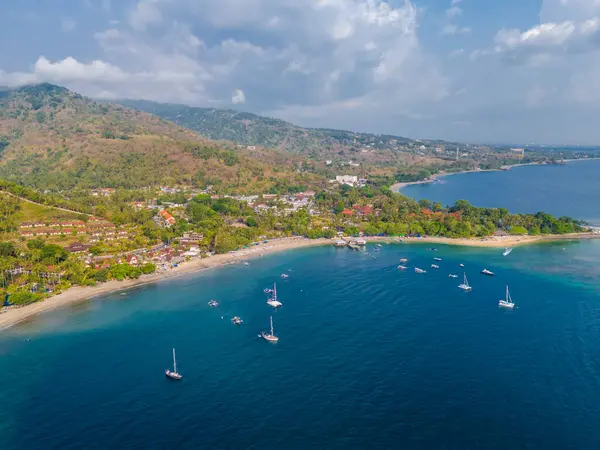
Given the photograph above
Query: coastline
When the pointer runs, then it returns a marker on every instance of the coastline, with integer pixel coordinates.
(397, 187)
(13, 316)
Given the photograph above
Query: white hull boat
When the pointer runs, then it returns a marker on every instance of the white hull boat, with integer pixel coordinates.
(465, 285)
(507, 302)
(173, 375)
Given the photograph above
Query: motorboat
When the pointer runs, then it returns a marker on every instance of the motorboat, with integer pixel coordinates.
(507, 251)
(267, 290)
(417, 270)
(213, 303)
(285, 276)
(237, 320)
(401, 267)
(487, 272)
(404, 260)
(437, 259)
(435, 266)
(339, 243)
(452, 275)
(461, 265)
(173, 375)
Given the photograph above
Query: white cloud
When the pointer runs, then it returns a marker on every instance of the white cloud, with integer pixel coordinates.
(456, 2)
(238, 97)
(67, 24)
(145, 14)
(456, 53)
(452, 30)
(454, 11)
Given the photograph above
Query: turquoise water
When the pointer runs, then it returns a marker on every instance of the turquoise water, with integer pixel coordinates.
(368, 357)
(563, 190)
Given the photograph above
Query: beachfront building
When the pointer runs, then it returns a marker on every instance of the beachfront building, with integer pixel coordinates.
(349, 180)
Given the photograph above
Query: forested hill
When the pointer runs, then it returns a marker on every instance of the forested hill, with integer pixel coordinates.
(53, 138)
(251, 129)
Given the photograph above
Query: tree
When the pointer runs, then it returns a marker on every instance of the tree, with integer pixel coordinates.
(424, 174)
(339, 207)
(518, 230)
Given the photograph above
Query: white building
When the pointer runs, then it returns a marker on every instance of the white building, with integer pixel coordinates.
(350, 180)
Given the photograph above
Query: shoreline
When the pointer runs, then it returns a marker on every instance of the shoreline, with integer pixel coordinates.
(76, 294)
(397, 187)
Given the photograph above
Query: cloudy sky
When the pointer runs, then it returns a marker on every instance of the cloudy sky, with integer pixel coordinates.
(511, 71)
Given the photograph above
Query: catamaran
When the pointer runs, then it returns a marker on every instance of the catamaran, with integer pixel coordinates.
(465, 285)
(173, 375)
(507, 251)
(270, 337)
(273, 300)
(417, 270)
(213, 303)
(506, 303)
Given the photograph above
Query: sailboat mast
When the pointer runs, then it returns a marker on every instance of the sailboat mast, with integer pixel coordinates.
(272, 334)
(174, 362)
(274, 291)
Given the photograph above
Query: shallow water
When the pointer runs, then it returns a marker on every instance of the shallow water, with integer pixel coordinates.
(368, 357)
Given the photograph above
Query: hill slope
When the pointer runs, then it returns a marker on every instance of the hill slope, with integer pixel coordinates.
(251, 129)
(52, 138)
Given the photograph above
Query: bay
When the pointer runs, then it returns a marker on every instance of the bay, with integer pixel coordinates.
(562, 190)
(368, 357)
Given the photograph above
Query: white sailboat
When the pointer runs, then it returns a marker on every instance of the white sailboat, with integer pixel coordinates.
(507, 303)
(173, 375)
(270, 337)
(465, 285)
(273, 300)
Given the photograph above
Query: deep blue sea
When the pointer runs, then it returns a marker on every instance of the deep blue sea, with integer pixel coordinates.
(563, 190)
(369, 357)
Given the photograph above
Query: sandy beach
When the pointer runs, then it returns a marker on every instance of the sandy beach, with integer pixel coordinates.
(12, 316)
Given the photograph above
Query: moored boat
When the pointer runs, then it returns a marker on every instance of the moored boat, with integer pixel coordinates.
(270, 337)
(507, 251)
(339, 243)
(435, 266)
(403, 260)
(452, 275)
(273, 300)
(437, 259)
(465, 285)
(173, 375)
(417, 270)
(487, 272)
(401, 267)
(284, 276)
(507, 302)
(237, 320)
(213, 303)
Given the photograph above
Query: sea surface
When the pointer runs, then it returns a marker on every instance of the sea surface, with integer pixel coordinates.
(562, 190)
(369, 357)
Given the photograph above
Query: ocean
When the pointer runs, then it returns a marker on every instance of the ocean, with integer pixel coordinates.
(368, 356)
(562, 190)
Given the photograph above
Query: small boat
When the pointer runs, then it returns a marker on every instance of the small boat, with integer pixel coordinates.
(273, 300)
(437, 259)
(270, 336)
(452, 275)
(433, 249)
(461, 265)
(507, 251)
(213, 303)
(361, 242)
(401, 267)
(417, 270)
(465, 285)
(284, 276)
(237, 320)
(378, 245)
(352, 245)
(404, 260)
(435, 266)
(487, 272)
(507, 303)
(267, 290)
(246, 263)
(339, 243)
(174, 375)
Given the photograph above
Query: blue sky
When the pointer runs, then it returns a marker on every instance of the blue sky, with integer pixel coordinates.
(515, 71)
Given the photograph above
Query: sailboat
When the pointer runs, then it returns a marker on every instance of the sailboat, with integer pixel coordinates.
(270, 337)
(173, 375)
(507, 251)
(273, 300)
(465, 285)
(507, 303)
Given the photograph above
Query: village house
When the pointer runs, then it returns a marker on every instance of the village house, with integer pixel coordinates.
(349, 180)
(269, 196)
(132, 260)
(27, 233)
(363, 210)
(167, 218)
(191, 238)
(347, 212)
(26, 225)
(77, 247)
